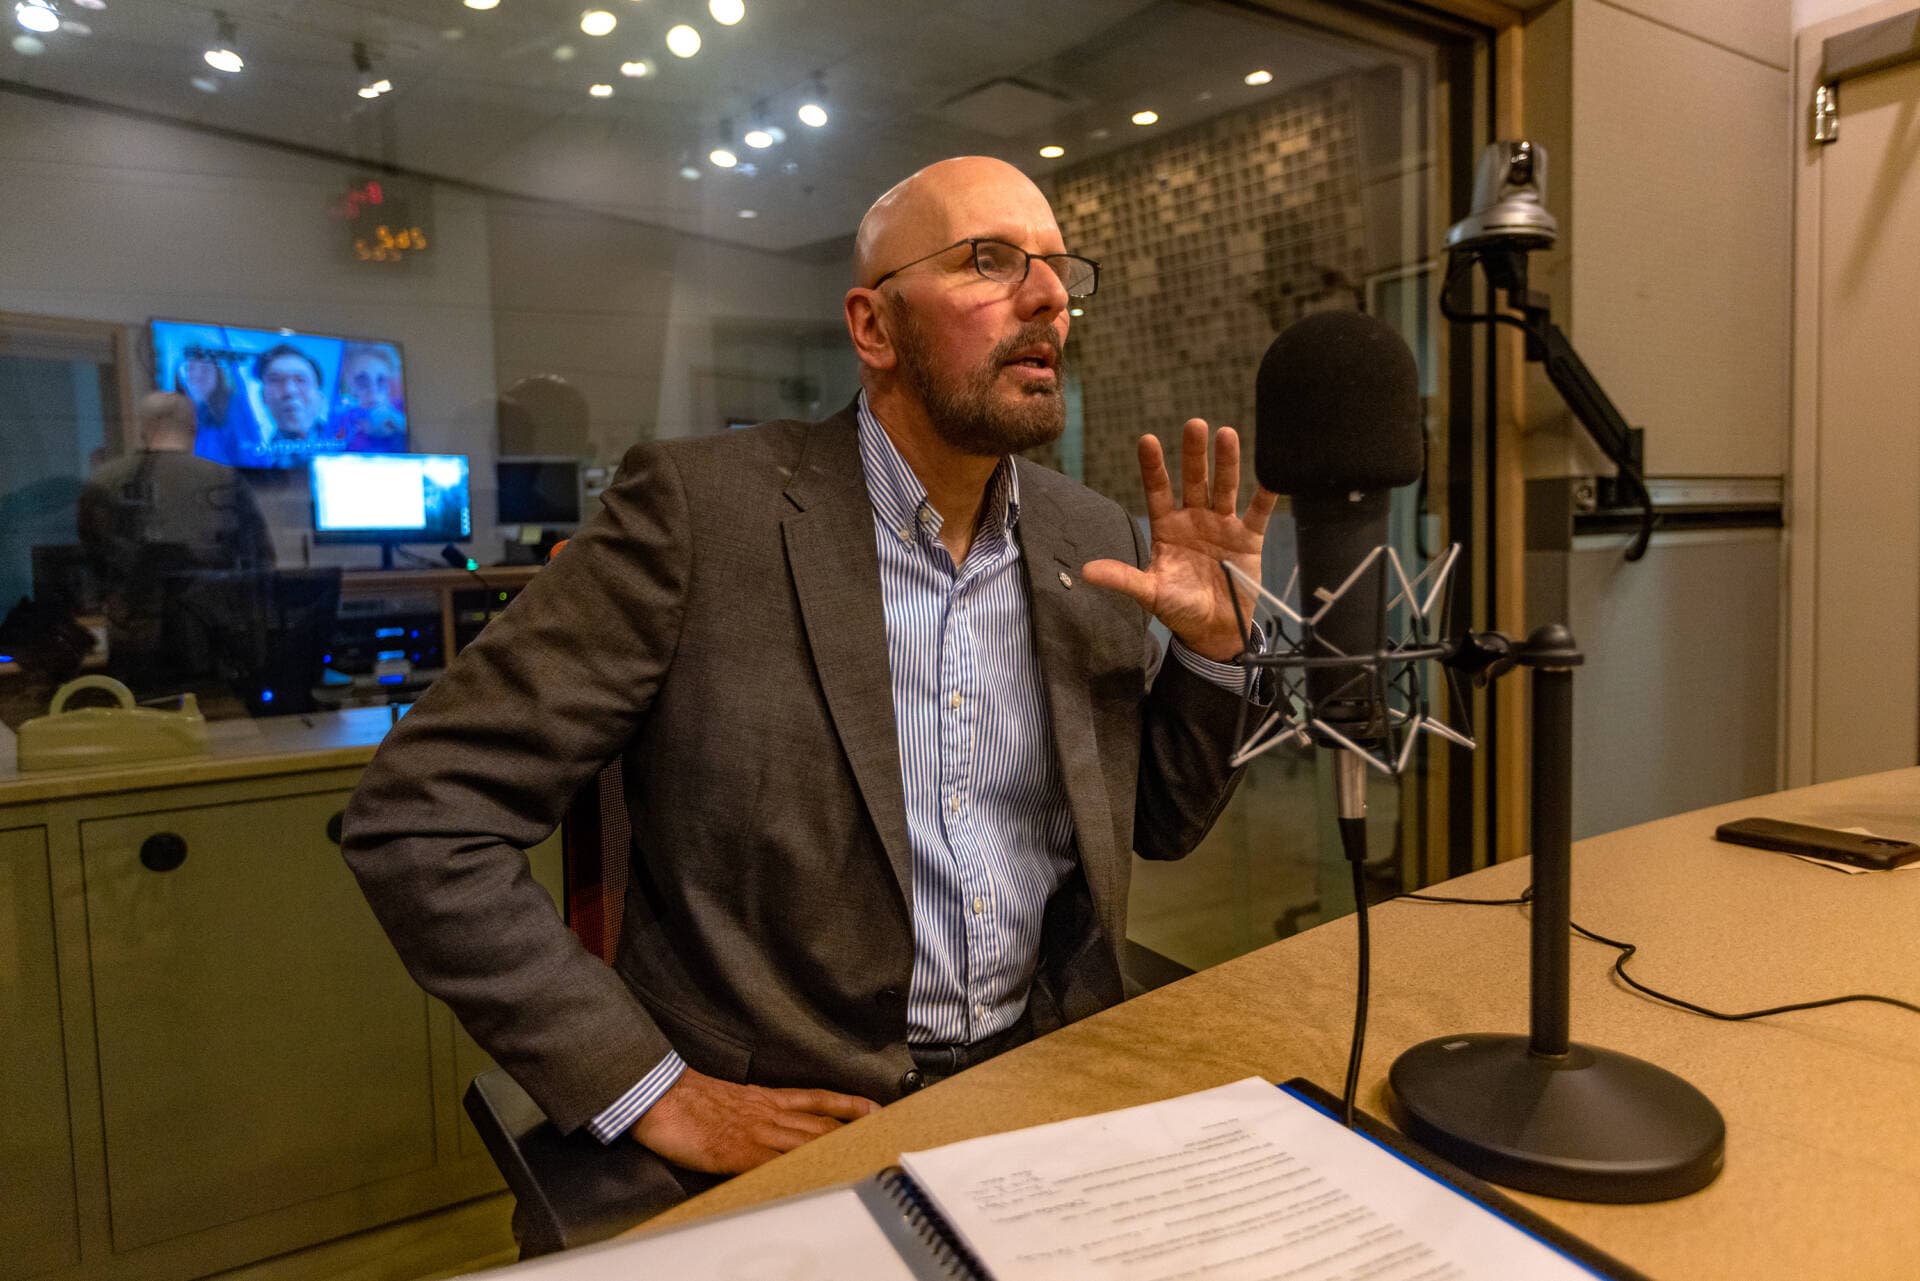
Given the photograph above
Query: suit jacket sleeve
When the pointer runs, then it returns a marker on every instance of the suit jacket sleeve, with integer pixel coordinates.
(1187, 739)
(484, 766)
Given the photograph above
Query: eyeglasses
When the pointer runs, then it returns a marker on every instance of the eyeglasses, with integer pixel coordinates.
(1006, 264)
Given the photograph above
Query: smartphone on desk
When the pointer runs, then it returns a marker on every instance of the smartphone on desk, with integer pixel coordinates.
(1880, 853)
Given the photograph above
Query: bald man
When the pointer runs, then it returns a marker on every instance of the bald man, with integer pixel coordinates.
(891, 718)
(157, 511)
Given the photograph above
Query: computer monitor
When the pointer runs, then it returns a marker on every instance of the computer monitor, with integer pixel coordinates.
(538, 491)
(391, 499)
(273, 398)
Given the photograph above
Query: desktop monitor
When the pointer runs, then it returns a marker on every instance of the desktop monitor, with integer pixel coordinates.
(391, 499)
(273, 398)
(538, 491)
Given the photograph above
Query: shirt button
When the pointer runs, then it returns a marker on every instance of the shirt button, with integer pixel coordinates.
(954, 804)
(979, 906)
(955, 700)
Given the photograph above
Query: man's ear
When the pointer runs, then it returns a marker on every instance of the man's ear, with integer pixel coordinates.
(867, 326)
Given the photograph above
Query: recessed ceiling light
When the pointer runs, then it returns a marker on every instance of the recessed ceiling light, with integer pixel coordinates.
(37, 16)
(727, 12)
(598, 22)
(1260, 77)
(722, 157)
(683, 41)
(600, 91)
(225, 59)
(749, 213)
(812, 114)
(205, 84)
(482, 4)
(690, 173)
(563, 53)
(637, 68)
(28, 46)
(1076, 311)
(758, 139)
(1145, 117)
(1052, 152)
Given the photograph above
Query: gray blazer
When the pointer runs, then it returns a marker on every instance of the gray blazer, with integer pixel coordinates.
(719, 622)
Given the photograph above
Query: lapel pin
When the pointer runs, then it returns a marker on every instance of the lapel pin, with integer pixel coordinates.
(1066, 579)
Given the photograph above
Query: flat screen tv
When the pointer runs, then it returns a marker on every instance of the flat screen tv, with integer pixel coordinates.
(273, 398)
(391, 499)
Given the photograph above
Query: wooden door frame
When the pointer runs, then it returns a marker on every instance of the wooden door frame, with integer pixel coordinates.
(1803, 459)
(85, 340)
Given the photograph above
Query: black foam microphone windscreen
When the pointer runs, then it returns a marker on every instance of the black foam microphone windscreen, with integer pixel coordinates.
(1337, 425)
(1337, 407)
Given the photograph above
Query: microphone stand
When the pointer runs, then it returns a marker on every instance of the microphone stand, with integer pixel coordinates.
(1542, 1112)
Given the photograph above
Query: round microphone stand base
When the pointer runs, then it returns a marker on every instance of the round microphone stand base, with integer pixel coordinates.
(1589, 1125)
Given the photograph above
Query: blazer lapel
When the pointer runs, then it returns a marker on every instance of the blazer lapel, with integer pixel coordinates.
(836, 575)
(1060, 638)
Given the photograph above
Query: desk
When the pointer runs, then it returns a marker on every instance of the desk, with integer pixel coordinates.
(1822, 1107)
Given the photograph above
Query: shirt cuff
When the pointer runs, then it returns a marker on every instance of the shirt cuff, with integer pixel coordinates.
(1231, 676)
(633, 1105)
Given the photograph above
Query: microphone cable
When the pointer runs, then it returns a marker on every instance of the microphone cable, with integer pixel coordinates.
(1628, 950)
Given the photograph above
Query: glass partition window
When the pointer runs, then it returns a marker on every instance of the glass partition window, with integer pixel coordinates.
(520, 241)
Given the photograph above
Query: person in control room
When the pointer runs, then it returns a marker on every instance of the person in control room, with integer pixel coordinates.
(891, 716)
(157, 512)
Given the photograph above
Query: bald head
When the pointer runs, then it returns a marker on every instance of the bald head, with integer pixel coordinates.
(946, 202)
(166, 420)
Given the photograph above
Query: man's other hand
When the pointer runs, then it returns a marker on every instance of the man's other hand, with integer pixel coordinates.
(717, 1127)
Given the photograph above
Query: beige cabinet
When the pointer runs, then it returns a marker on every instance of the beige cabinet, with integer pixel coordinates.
(241, 982)
(39, 1230)
(210, 1055)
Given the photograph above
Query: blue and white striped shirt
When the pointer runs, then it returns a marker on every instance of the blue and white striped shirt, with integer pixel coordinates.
(987, 817)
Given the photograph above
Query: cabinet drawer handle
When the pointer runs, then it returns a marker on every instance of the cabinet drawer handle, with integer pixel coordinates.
(162, 852)
(334, 826)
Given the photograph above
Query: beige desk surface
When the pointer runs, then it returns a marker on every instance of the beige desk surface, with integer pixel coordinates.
(1822, 1108)
(239, 748)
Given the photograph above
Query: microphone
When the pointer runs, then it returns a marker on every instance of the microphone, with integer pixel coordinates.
(1337, 427)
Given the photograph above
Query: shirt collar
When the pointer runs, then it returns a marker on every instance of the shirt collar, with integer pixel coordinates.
(900, 500)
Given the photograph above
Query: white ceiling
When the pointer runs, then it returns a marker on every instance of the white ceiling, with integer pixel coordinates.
(480, 96)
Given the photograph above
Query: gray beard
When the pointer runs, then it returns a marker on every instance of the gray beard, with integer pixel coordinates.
(970, 417)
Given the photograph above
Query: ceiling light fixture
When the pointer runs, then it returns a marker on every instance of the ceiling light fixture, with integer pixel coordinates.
(690, 172)
(749, 213)
(37, 16)
(371, 86)
(1145, 117)
(727, 12)
(483, 4)
(1076, 311)
(636, 69)
(812, 115)
(723, 158)
(91, 4)
(598, 22)
(683, 41)
(1260, 77)
(223, 56)
(1052, 152)
(600, 90)
(758, 139)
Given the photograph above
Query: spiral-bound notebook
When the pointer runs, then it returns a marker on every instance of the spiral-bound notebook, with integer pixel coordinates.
(1240, 1182)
